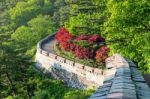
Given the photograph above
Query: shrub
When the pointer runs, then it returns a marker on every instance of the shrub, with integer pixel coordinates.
(83, 46)
(96, 38)
(83, 53)
(68, 46)
(63, 35)
(102, 54)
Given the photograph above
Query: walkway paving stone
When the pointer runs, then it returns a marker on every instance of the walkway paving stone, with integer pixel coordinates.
(127, 82)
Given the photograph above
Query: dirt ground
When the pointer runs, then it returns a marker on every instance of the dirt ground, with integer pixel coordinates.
(147, 78)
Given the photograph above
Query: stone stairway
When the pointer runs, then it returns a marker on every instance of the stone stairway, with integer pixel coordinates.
(122, 81)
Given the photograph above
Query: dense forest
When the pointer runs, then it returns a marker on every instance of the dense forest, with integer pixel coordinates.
(124, 24)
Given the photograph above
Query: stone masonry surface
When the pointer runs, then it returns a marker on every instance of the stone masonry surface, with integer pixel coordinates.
(72, 73)
(125, 83)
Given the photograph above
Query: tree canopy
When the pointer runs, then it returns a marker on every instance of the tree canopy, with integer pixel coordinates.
(124, 24)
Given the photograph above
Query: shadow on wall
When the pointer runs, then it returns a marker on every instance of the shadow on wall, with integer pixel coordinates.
(69, 78)
(57, 72)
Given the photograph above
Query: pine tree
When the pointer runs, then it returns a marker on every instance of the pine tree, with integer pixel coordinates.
(86, 17)
(61, 12)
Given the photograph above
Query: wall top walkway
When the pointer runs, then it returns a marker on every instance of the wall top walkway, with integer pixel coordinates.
(125, 83)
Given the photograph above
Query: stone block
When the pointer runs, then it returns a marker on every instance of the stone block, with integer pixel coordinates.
(69, 62)
(116, 61)
(103, 89)
(89, 69)
(39, 50)
(100, 94)
(60, 59)
(119, 58)
(110, 65)
(108, 78)
(52, 56)
(120, 95)
(143, 97)
(45, 53)
(142, 86)
(123, 85)
(109, 84)
(123, 91)
(122, 80)
(123, 71)
(143, 93)
(78, 65)
(81, 72)
(100, 97)
(122, 64)
(138, 79)
(110, 72)
(98, 71)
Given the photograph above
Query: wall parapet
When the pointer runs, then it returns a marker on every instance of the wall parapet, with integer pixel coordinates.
(52, 60)
(41, 50)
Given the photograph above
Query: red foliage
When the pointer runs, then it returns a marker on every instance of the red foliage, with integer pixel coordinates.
(64, 39)
(82, 53)
(63, 35)
(96, 38)
(82, 37)
(102, 54)
(68, 46)
(65, 46)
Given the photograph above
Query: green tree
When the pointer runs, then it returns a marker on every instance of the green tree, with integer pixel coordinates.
(13, 66)
(127, 30)
(86, 17)
(61, 12)
(24, 11)
(19, 79)
(29, 36)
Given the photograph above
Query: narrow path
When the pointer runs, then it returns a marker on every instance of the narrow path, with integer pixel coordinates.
(49, 46)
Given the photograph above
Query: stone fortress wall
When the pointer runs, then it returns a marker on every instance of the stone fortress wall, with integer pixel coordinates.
(85, 76)
(120, 79)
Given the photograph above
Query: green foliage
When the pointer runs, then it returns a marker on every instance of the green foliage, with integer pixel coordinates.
(38, 28)
(86, 17)
(24, 11)
(21, 28)
(61, 13)
(127, 30)
(46, 90)
(125, 24)
(78, 94)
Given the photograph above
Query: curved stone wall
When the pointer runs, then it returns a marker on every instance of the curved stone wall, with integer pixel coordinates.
(74, 74)
(120, 79)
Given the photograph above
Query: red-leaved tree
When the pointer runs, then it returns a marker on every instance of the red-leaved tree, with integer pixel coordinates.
(82, 52)
(102, 54)
(64, 39)
(63, 35)
(96, 38)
